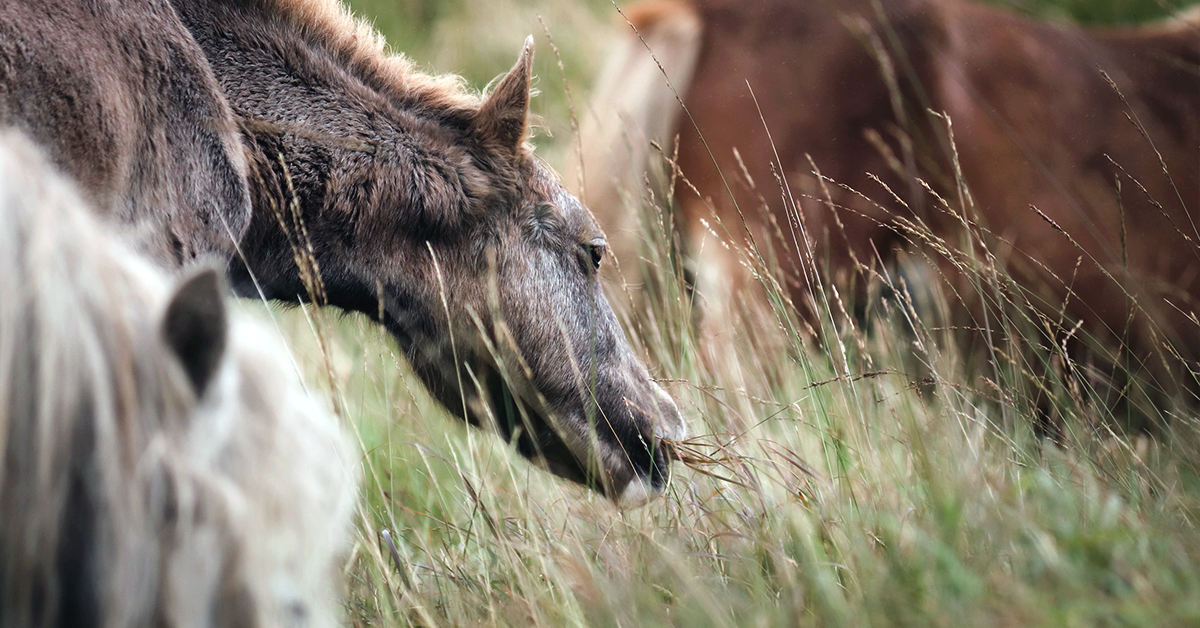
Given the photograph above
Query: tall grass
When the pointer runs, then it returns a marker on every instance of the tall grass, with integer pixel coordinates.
(848, 486)
(847, 496)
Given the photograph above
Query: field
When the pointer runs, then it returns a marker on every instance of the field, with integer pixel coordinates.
(888, 478)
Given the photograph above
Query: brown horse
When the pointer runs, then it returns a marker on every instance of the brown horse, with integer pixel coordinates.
(160, 462)
(370, 187)
(1098, 129)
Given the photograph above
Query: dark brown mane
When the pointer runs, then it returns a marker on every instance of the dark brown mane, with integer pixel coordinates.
(360, 49)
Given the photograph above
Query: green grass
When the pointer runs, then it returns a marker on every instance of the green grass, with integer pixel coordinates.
(858, 502)
(1097, 12)
(876, 500)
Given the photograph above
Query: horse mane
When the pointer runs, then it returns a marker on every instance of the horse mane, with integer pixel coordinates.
(647, 13)
(80, 389)
(363, 50)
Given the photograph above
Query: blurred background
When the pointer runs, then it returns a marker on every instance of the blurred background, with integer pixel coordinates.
(480, 39)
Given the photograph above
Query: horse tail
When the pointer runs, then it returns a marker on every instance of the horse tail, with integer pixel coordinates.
(635, 102)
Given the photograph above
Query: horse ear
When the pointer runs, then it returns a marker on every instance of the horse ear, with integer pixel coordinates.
(195, 326)
(503, 118)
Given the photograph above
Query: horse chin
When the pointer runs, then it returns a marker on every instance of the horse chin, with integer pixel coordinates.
(627, 483)
(642, 489)
(637, 493)
(643, 484)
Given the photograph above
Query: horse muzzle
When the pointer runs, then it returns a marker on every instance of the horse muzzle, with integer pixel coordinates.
(651, 481)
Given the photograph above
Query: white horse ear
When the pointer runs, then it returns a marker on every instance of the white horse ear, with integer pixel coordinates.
(195, 326)
(503, 118)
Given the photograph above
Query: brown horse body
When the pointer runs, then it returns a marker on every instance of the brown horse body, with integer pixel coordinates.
(1034, 122)
(371, 187)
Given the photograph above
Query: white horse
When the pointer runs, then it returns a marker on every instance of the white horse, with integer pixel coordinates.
(160, 464)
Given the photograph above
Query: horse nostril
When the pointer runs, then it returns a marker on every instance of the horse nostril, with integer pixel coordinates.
(660, 469)
(651, 467)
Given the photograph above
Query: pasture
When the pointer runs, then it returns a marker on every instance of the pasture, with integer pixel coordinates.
(887, 479)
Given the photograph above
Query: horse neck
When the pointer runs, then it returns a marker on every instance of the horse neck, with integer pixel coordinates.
(322, 140)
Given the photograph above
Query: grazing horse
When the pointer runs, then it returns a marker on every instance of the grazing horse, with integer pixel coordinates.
(377, 189)
(160, 462)
(1099, 129)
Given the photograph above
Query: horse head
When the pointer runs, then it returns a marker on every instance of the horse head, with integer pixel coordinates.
(441, 222)
(519, 334)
